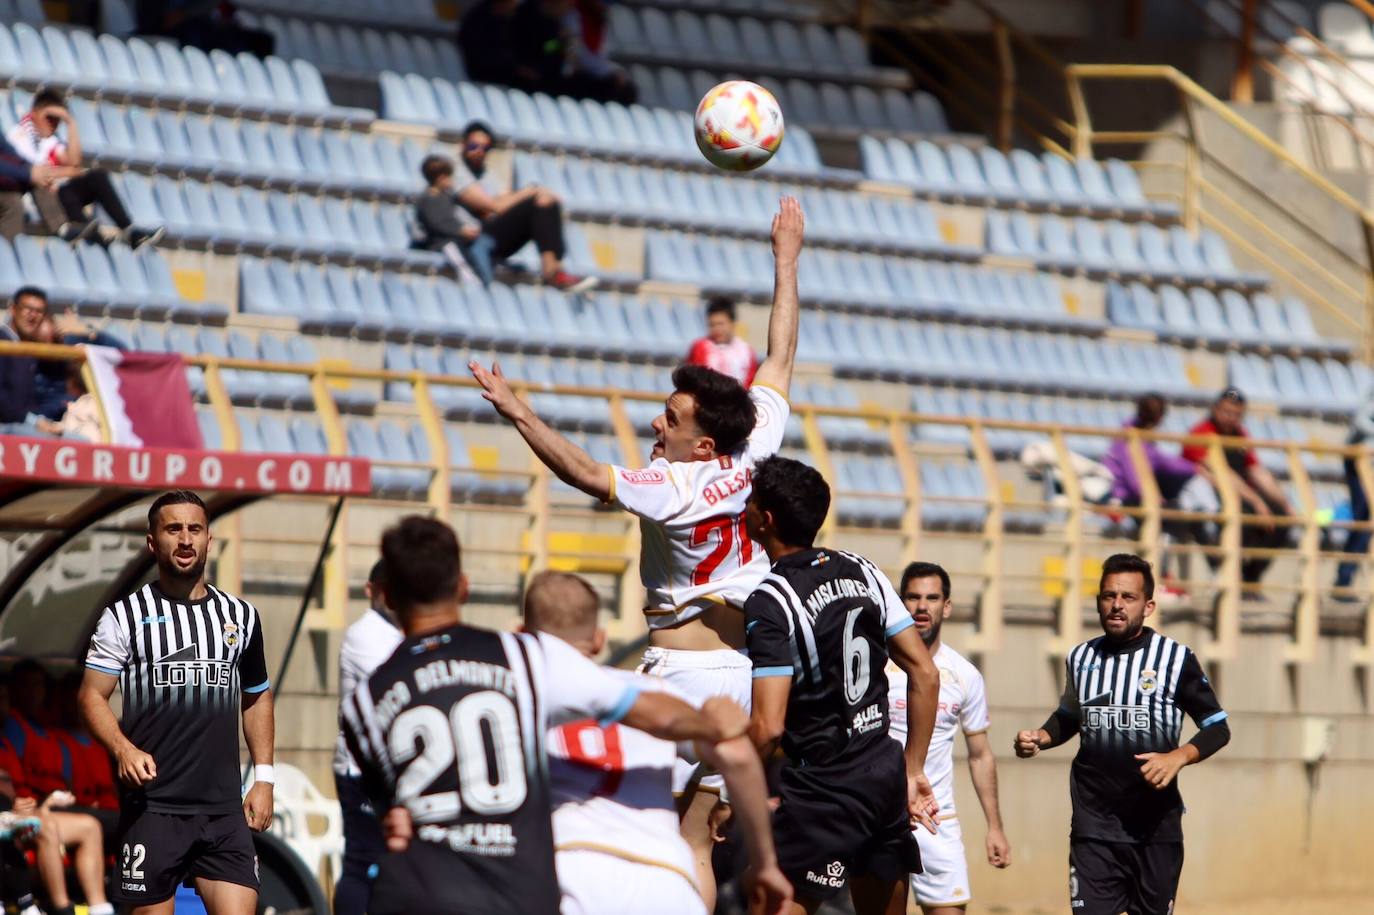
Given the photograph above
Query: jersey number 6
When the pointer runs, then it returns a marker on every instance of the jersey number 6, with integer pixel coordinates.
(729, 529)
(481, 733)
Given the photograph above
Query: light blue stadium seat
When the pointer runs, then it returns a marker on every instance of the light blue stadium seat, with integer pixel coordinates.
(1092, 180)
(1126, 188)
(1157, 253)
(1240, 318)
(1178, 311)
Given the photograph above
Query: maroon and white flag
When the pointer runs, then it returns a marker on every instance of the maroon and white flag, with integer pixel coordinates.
(146, 398)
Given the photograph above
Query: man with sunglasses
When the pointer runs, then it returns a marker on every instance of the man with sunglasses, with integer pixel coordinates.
(477, 226)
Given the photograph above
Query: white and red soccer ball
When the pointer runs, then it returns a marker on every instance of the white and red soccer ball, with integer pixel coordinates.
(738, 125)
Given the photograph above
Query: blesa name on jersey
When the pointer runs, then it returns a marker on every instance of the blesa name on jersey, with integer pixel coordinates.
(724, 489)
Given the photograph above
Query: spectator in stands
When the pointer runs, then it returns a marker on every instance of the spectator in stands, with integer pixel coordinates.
(1356, 542)
(28, 309)
(543, 44)
(80, 416)
(17, 177)
(474, 226)
(92, 777)
(52, 377)
(20, 827)
(1172, 471)
(206, 24)
(486, 37)
(1259, 492)
(78, 834)
(593, 75)
(36, 138)
(720, 349)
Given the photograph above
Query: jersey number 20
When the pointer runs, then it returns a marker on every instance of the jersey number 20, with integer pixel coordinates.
(481, 733)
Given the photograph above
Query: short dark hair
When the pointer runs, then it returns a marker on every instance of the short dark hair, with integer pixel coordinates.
(35, 291)
(174, 497)
(1119, 563)
(1149, 409)
(377, 575)
(421, 561)
(434, 167)
(720, 305)
(795, 494)
(926, 570)
(1236, 395)
(46, 96)
(472, 127)
(724, 409)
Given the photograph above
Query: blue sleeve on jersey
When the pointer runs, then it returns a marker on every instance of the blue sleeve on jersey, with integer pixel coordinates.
(1212, 719)
(14, 733)
(760, 672)
(899, 626)
(104, 670)
(261, 687)
(622, 707)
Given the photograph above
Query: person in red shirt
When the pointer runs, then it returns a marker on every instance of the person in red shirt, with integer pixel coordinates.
(90, 773)
(24, 727)
(720, 349)
(1260, 494)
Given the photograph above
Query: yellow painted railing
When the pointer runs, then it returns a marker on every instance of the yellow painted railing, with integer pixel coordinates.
(1048, 566)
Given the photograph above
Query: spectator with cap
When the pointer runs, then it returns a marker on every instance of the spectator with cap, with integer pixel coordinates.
(720, 350)
(475, 225)
(37, 138)
(1260, 494)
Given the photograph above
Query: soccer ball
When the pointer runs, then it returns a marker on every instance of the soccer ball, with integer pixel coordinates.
(738, 126)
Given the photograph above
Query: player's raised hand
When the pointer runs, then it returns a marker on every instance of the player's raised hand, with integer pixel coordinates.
(135, 767)
(495, 389)
(257, 806)
(921, 803)
(398, 829)
(1027, 744)
(998, 848)
(789, 225)
(768, 891)
(1159, 769)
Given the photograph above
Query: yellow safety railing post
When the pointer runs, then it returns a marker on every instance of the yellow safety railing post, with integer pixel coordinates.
(1069, 631)
(1226, 621)
(432, 422)
(899, 440)
(1307, 608)
(991, 618)
(820, 459)
(631, 587)
(1151, 502)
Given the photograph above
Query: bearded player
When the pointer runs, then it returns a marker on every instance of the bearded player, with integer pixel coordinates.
(697, 561)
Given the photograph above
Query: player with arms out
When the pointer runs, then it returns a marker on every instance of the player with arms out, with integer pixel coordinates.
(451, 734)
(615, 826)
(822, 626)
(1125, 694)
(697, 562)
(187, 657)
(942, 888)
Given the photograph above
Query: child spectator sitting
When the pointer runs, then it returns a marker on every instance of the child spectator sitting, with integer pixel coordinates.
(81, 418)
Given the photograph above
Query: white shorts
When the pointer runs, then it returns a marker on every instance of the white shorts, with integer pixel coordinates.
(945, 877)
(597, 883)
(699, 675)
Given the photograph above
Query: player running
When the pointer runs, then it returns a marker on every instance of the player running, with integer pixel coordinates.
(451, 733)
(822, 626)
(942, 888)
(1125, 694)
(186, 657)
(697, 561)
(615, 827)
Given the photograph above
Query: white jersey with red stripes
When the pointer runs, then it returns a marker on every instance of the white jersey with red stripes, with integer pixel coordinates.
(694, 548)
(612, 789)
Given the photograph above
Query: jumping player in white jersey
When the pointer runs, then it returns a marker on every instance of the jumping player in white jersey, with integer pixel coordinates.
(697, 561)
(943, 888)
(615, 827)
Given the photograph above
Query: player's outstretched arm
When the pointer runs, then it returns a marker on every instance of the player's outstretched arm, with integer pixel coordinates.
(134, 767)
(910, 654)
(568, 462)
(669, 718)
(738, 763)
(789, 226)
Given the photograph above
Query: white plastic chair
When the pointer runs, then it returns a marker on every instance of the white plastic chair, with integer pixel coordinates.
(296, 801)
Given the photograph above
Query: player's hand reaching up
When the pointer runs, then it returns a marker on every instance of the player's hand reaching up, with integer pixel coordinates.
(921, 803)
(496, 390)
(767, 890)
(135, 767)
(789, 225)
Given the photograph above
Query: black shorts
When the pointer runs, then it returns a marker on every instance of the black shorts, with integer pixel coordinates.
(157, 852)
(835, 822)
(1108, 878)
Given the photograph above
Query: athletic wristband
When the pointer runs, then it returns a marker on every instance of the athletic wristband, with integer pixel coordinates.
(265, 774)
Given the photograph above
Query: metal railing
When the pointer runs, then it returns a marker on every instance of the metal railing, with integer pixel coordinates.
(1013, 568)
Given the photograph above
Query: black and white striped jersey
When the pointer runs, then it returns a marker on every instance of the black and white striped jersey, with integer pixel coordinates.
(823, 618)
(183, 666)
(452, 726)
(1126, 698)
